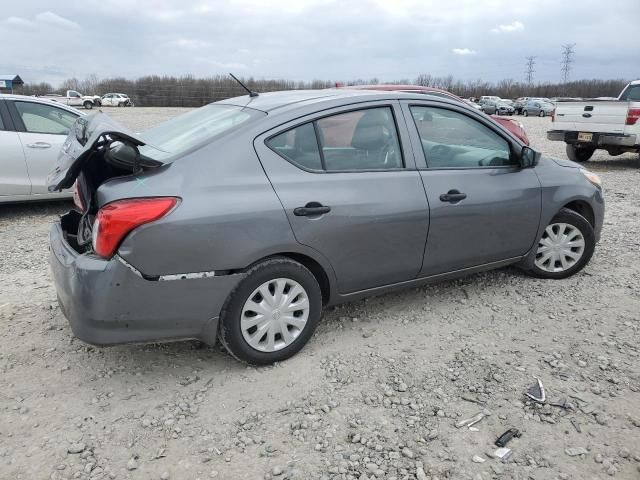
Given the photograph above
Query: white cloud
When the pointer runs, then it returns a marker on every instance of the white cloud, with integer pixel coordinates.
(191, 43)
(42, 18)
(514, 26)
(463, 51)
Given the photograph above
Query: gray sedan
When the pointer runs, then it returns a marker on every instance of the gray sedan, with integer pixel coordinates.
(241, 220)
(539, 108)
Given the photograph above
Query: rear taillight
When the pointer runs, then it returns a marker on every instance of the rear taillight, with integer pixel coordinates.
(116, 219)
(77, 197)
(633, 115)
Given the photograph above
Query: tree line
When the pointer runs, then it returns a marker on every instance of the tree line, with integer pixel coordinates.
(189, 91)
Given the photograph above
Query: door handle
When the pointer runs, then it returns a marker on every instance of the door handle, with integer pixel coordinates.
(311, 209)
(39, 145)
(452, 196)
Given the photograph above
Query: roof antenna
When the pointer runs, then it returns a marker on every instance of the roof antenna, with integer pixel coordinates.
(251, 92)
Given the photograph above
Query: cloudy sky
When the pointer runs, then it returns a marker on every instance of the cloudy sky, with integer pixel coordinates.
(313, 39)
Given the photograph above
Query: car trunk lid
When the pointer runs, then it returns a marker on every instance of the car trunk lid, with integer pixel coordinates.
(89, 139)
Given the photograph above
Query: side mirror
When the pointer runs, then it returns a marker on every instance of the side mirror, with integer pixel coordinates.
(528, 157)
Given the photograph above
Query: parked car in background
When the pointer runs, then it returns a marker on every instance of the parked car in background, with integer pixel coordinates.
(538, 108)
(116, 100)
(75, 99)
(515, 128)
(493, 107)
(422, 188)
(484, 98)
(611, 125)
(519, 104)
(32, 132)
(472, 104)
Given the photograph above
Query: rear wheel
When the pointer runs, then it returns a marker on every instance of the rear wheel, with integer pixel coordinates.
(579, 154)
(541, 113)
(565, 247)
(525, 113)
(272, 312)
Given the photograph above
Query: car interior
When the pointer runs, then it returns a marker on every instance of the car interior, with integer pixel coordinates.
(360, 140)
(453, 140)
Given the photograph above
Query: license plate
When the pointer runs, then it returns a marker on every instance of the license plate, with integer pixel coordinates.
(585, 137)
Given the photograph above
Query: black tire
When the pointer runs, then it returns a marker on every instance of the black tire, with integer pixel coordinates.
(579, 154)
(88, 105)
(541, 114)
(230, 332)
(525, 113)
(582, 224)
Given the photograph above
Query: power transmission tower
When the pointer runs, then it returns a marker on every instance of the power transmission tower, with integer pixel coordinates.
(567, 60)
(531, 62)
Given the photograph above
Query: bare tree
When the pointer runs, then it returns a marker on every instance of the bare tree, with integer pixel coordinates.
(567, 60)
(531, 63)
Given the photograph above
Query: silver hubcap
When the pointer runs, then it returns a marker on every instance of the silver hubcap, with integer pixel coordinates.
(274, 315)
(560, 247)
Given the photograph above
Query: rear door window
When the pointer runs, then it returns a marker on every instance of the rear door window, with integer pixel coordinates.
(353, 141)
(360, 140)
(298, 145)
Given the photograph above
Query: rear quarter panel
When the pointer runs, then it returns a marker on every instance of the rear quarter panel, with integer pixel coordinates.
(229, 216)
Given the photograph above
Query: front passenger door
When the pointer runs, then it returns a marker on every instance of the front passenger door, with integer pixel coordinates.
(484, 207)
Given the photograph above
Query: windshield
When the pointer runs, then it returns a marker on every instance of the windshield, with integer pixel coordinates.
(193, 129)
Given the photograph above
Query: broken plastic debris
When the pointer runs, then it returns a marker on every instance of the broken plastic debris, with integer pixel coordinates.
(502, 453)
(536, 392)
(507, 436)
(467, 422)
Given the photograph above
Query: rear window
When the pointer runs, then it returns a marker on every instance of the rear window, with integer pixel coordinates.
(632, 93)
(194, 129)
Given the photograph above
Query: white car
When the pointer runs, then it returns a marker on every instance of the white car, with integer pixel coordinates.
(116, 100)
(32, 131)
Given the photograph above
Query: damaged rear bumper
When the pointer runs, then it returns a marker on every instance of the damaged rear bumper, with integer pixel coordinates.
(107, 302)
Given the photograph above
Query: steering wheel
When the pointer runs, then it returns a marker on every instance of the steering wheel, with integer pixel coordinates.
(490, 160)
(440, 151)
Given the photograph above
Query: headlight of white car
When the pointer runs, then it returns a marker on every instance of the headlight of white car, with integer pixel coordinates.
(592, 177)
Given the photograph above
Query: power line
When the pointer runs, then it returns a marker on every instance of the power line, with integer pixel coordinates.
(567, 60)
(531, 62)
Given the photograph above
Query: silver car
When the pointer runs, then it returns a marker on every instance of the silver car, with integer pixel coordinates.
(241, 220)
(538, 107)
(32, 132)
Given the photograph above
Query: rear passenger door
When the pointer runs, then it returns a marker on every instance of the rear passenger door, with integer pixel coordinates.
(14, 177)
(348, 183)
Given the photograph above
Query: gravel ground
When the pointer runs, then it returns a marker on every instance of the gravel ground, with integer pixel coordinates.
(375, 394)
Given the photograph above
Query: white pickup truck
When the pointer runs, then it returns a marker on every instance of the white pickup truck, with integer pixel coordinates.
(611, 125)
(76, 99)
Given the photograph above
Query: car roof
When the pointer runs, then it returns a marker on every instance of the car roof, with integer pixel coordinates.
(293, 99)
(33, 99)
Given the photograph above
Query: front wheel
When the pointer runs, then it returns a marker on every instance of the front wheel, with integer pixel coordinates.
(88, 105)
(579, 154)
(525, 113)
(541, 113)
(272, 313)
(565, 247)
